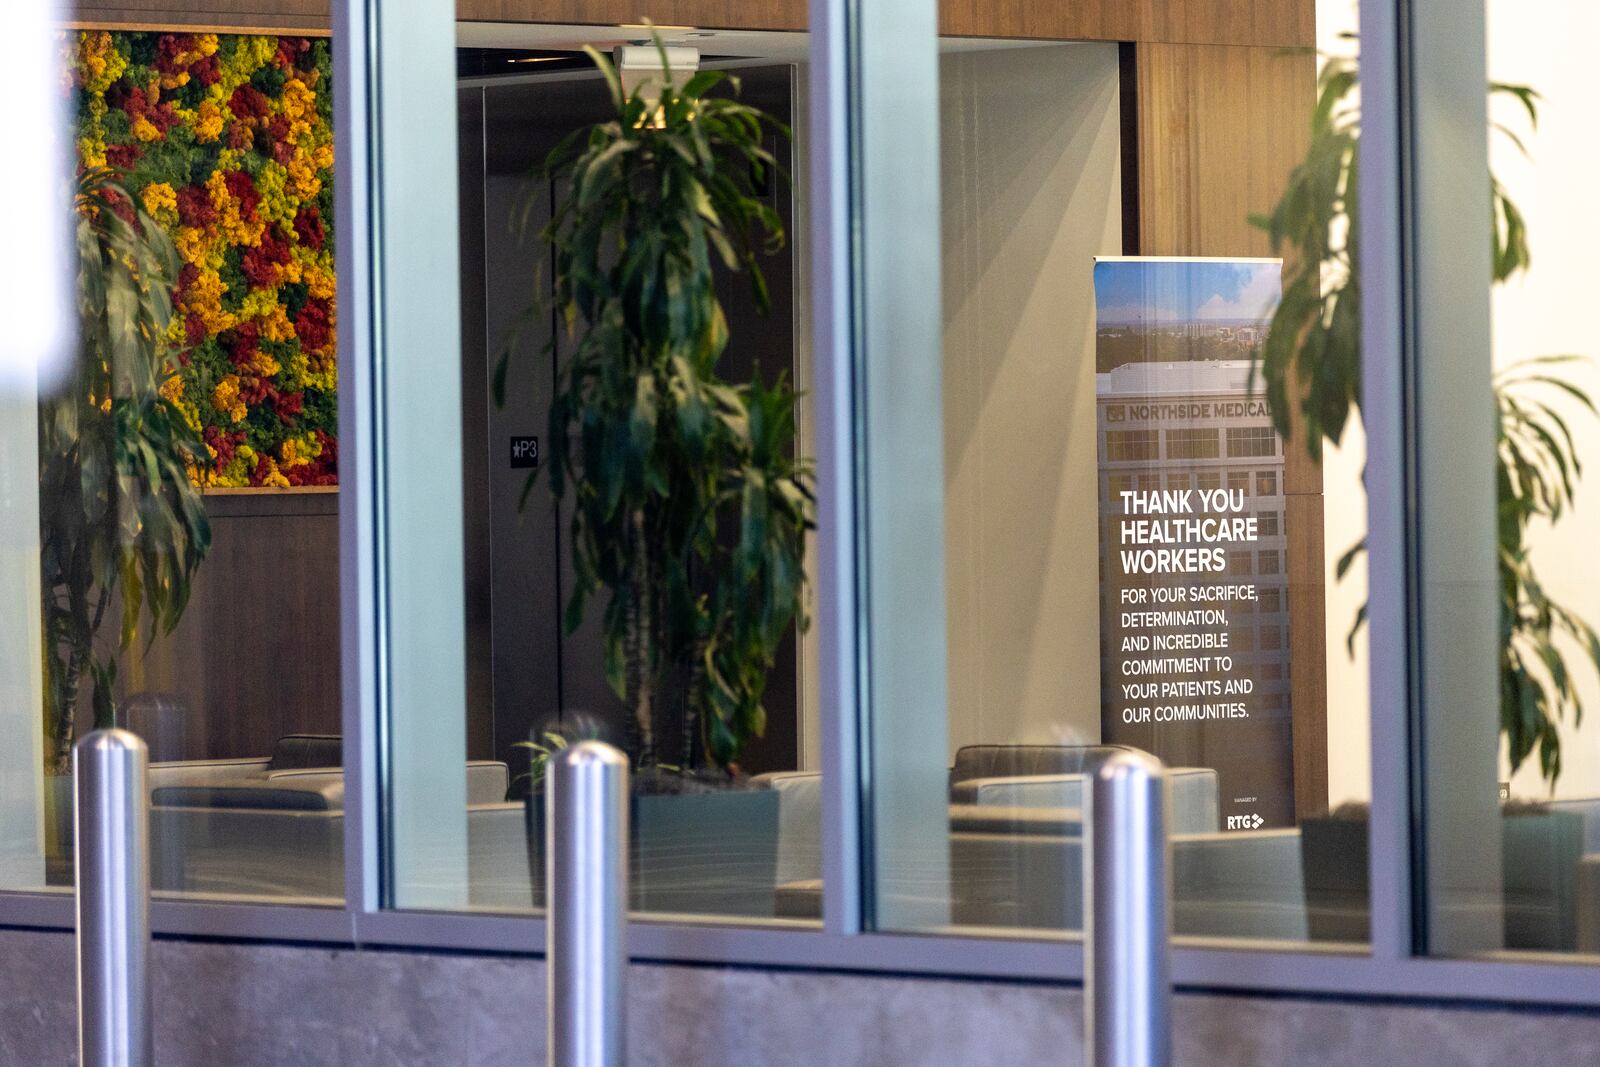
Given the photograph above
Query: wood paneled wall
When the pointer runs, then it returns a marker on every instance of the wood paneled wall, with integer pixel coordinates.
(256, 655)
(1220, 128)
(1277, 23)
(303, 16)
(1274, 23)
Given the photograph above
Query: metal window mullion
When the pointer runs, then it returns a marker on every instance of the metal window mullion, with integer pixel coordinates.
(833, 340)
(898, 444)
(1384, 411)
(1449, 427)
(356, 223)
(403, 601)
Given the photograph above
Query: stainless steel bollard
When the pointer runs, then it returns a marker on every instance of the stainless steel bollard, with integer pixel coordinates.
(586, 863)
(113, 821)
(1128, 976)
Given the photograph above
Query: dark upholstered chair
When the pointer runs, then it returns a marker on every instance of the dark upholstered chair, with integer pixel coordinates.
(1012, 761)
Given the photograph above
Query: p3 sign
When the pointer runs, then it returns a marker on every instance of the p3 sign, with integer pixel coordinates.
(524, 452)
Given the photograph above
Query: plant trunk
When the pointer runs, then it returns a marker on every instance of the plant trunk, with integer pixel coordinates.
(633, 727)
(640, 645)
(66, 712)
(693, 700)
(644, 705)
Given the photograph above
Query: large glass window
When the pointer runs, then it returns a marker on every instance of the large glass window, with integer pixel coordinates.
(1512, 772)
(635, 467)
(181, 545)
(1068, 285)
(1122, 376)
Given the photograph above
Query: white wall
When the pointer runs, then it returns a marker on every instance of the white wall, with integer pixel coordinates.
(1031, 194)
(1546, 311)
(1547, 44)
(1345, 524)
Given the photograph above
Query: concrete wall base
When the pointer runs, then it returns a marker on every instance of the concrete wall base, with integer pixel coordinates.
(257, 1005)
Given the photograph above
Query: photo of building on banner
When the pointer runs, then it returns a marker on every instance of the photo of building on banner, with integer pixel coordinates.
(1194, 634)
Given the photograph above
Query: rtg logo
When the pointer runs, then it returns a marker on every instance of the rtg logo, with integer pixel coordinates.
(1245, 822)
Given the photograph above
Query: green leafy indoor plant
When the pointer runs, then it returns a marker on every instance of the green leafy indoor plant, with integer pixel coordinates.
(1311, 364)
(120, 520)
(689, 508)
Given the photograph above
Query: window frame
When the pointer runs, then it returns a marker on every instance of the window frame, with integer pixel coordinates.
(1406, 47)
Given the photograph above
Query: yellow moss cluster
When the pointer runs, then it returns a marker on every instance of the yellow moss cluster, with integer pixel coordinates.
(161, 201)
(225, 397)
(101, 63)
(208, 120)
(299, 451)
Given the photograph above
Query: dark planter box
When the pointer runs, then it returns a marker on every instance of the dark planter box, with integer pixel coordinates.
(1333, 864)
(692, 853)
(1539, 859)
(59, 860)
